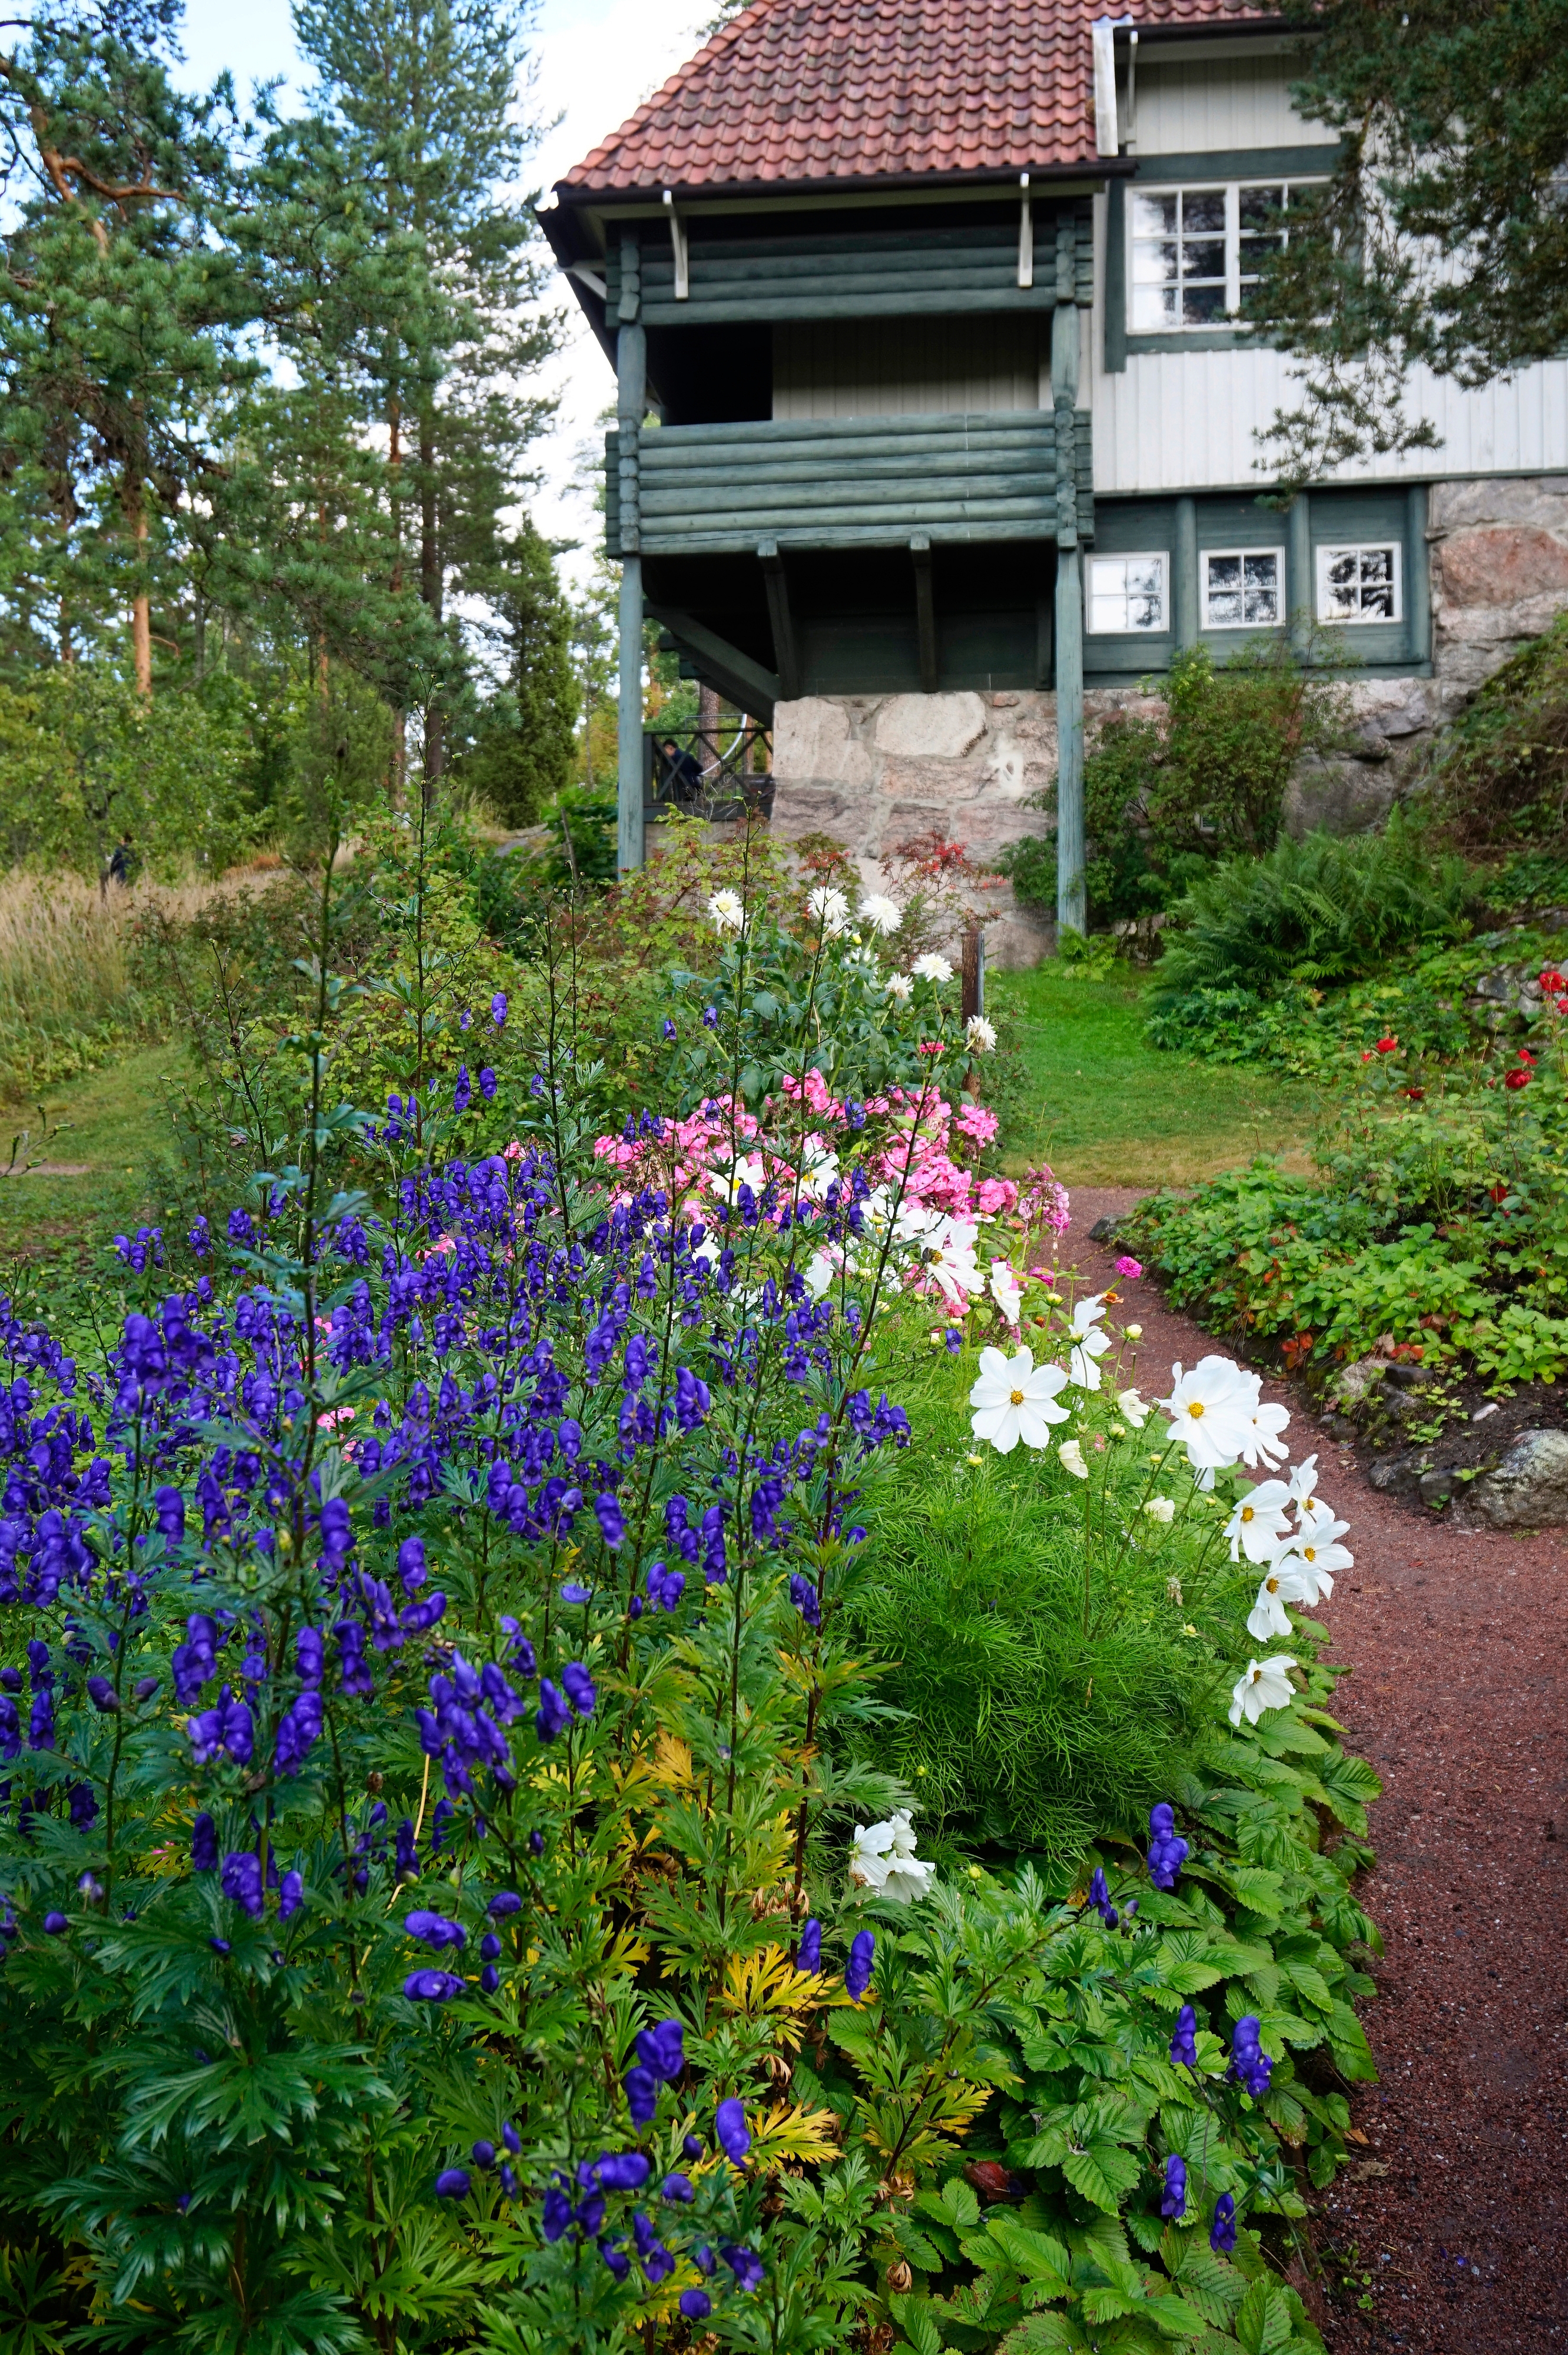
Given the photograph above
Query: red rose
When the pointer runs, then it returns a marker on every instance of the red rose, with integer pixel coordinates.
(1388, 1046)
(1516, 1079)
(1551, 982)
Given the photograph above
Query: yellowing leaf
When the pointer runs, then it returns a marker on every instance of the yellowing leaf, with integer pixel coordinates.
(790, 2131)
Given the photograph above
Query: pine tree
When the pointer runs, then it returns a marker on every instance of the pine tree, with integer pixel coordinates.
(523, 745)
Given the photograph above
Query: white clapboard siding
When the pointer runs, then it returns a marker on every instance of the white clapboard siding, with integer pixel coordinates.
(1229, 102)
(1176, 420)
(905, 368)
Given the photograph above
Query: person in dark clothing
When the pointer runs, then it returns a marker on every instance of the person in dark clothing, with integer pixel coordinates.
(681, 768)
(122, 861)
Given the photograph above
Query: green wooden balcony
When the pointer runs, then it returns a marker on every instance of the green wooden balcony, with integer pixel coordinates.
(862, 482)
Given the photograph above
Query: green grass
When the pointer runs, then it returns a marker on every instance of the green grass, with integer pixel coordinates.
(115, 1121)
(1106, 1108)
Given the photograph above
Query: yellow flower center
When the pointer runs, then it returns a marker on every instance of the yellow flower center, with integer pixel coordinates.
(1310, 1551)
(1196, 1409)
(1248, 1514)
(1257, 1676)
(1272, 1584)
(1016, 1396)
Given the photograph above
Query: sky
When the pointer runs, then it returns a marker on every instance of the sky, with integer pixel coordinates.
(596, 60)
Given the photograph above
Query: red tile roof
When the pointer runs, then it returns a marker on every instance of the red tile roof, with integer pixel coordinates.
(814, 90)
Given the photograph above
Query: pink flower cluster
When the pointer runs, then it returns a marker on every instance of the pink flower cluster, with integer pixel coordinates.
(925, 1149)
(1043, 1201)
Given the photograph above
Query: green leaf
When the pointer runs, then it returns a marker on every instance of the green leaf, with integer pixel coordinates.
(1262, 2320)
(1102, 2172)
(913, 2317)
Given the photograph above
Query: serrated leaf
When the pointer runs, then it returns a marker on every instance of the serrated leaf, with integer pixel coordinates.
(1262, 2326)
(1102, 2172)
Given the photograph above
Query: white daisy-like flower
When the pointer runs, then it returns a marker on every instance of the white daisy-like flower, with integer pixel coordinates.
(1162, 1508)
(1263, 1443)
(1133, 1407)
(899, 985)
(1211, 1414)
(1303, 1483)
(949, 1257)
(1089, 1343)
(1281, 1585)
(1263, 1684)
(1259, 1521)
(979, 1036)
(831, 909)
(932, 967)
(1015, 1398)
(1006, 1291)
(1315, 1553)
(819, 1275)
(727, 911)
(1071, 1456)
(882, 914)
(882, 1859)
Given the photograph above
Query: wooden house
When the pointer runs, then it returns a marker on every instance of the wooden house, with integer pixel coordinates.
(937, 415)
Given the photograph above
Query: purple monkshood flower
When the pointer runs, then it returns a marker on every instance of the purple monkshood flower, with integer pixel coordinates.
(695, 2305)
(710, 1017)
(621, 2170)
(612, 1520)
(615, 2257)
(504, 1901)
(483, 2154)
(1222, 2230)
(1166, 1850)
(804, 1595)
(487, 1083)
(55, 1925)
(102, 1695)
(729, 2125)
(677, 2186)
(411, 1564)
(1174, 2199)
(659, 2049)
(642, 2090)
(808, 1954)
(669, 1031)
(204, 1844)
(243, 1881)
(1100, 1898)
(435, 1929)
(556, 2214)
(744, 2264)
(1184, 2043)
(857, 1970)
(291, 1895)
(552, 1716)
(463, 1094)
(431, 1986)
(1250, 2064)
(579, 1686)
(499, 1009)
(452, 2183)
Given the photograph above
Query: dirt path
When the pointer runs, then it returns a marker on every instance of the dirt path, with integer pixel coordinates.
(1459, 1697)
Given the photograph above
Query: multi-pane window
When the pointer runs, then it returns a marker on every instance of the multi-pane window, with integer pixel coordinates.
(1244, 588)
(1126, 592)
(1196, 251)
(1359, 585)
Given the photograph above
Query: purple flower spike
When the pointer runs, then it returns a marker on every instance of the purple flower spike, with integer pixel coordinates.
(808, 1954)
(641, 2089)
(1184, 2043)
(744, 2264)
(660, 2049)
(1222, 2230)
(431, 1986)
(695, 2305)
(857, 1970)
(729, 2125)
(452, 2183)
(1174, 2199)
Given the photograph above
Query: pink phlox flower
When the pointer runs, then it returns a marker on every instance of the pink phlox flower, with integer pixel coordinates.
(977, 1122)
(994, 1196)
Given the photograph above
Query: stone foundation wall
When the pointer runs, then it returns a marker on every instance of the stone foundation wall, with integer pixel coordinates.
(875, 770)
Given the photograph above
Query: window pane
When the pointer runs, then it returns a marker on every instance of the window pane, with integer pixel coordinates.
(1203, 209)
(1223, 575)
(1108, 614)
(1377, 602)
(1377, 564)
(1143, 574)
(1144, 608)
(1256, 206)
(1154, 264)
(1339, 598)
(1256, 251)
(1153, 215)
(1201, 305)
(1203, 258)
(1154, 309)
(1260, 590)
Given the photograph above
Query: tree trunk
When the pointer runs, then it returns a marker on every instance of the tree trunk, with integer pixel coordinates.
(399, 777)
(141, 603)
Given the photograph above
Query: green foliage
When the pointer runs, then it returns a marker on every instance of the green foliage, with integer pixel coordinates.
(1500, 776)
(521, 756)
(1168, 793)
(1324, 909)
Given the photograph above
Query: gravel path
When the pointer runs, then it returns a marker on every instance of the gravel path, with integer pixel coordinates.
(1459, 1697)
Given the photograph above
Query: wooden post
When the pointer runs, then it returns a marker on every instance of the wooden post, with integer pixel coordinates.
(1184, 567)
(1300, 595)
(632, 377)
(1417, 574)
(1071, 900)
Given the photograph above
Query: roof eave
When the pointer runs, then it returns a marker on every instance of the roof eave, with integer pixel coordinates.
(574, 194)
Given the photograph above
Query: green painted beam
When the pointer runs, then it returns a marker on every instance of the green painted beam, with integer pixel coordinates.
(748, 686)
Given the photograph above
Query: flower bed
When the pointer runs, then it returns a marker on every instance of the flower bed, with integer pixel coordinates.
(456, 1886)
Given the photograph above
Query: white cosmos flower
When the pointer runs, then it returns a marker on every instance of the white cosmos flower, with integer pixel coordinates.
(1136, 1409)
(1162, 1508)
(899, 985)
(1303, 1481)
(1015, 1398)
(1265, 1684)
(932, 967)
(1263, 1443)
(882, 914)
(1259, 1521)
(831, 908)
(727, 911)
(1007, 1291)
(979, 1036)
(1088, 1342)
(883, 1859)
(1315, 1554)
(1211, 1414)
(1071, 1456)
(1281, 1585)
(820, 1274)
(949, 1257)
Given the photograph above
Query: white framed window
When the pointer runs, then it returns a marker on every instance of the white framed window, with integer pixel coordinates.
(1128, 594)
(1244, 588)
(1195, 251)
(1361, 583)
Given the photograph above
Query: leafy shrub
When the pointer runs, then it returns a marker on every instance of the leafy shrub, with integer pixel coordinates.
(1324, 909)
(1499, 775)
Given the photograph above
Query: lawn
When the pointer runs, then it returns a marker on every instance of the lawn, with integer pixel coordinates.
(114, 1121)
(1106, 1108)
